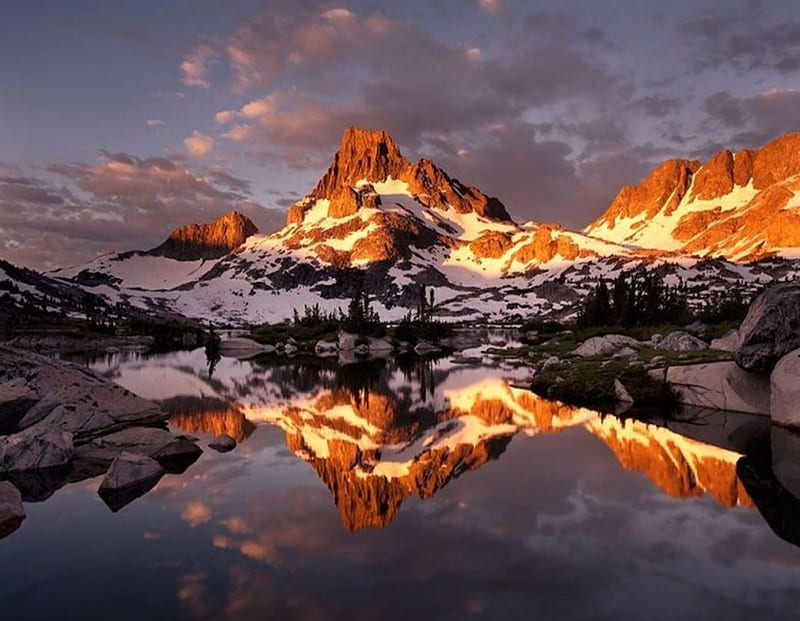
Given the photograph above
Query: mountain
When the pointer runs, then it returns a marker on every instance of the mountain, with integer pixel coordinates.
(211, 240)
(740, 206)
(379, 221)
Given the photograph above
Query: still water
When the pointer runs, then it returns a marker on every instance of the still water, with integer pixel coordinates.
(441, 490)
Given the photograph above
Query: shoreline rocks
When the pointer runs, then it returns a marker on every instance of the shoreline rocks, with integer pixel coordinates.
(771, 329)
(12, 513)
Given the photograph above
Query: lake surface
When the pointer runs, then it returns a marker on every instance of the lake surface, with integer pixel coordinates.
(413, 491)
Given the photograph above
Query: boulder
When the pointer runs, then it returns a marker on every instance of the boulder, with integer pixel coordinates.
(348, 341)
(129, 469)
(425, 347)
(243, 348)
(771, 329)
(12, 513)
(727, 342)
(680, 341)
(15, 401)
(785, 390)
(380, 346)
(326, 348)
(721, 386)
(290, 348)
(129, 477)
(626, 352)
(549, 363)
(35, 448)
(223, 443)
(604, 345)
(623, 396)
(698, 328)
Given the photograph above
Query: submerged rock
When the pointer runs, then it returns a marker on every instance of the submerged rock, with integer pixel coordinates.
(223, 443)
(604, 345)
(12, 513)
(771, 329)
(680, 341)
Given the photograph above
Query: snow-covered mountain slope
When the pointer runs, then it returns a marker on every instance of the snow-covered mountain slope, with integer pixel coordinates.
(741, 206)
(378, 221)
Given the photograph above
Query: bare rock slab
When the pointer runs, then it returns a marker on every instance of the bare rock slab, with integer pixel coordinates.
(721, 386)
(92, 405)
(35, 449)
(170, 450)
(12, 513)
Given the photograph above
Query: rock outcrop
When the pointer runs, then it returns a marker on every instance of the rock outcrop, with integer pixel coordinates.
(12, 513)
(785, 391)
(771, 328)
(129, 476)
(721, 386)
(210, 240)
(604, 345)
(680, 341)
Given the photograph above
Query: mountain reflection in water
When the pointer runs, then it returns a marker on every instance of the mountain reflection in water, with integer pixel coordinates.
(381, 431)
(458, 493)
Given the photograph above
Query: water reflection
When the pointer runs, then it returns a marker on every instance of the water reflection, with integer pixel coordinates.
(497, 503)
(382, 431)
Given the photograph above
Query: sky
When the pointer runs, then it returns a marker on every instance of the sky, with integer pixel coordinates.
(123, 119)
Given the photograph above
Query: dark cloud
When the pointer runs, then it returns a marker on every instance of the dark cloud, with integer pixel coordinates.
(752, 121)
(121, 202)
(744, 39)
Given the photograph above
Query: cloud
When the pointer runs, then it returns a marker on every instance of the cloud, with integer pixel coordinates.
(742, 38)
(74, 211)
(196, 63)
(198, 144)
(490, 6)
(752, 121)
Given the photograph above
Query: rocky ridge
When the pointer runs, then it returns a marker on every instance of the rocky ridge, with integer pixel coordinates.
(740, 206)
(377, 221)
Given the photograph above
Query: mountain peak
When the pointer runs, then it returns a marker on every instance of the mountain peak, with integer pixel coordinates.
(209, 240)
(363, 154)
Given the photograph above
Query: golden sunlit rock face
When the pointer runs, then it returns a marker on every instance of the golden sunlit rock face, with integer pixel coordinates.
(740, 206)
(211, 240)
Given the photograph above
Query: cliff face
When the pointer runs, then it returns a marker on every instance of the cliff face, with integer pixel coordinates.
(740, 206)
(210, 240)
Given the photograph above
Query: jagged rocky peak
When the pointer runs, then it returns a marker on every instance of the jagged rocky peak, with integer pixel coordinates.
(367, 157)
(363, 155)
(210, 240)
(663, 189)
(741, 206)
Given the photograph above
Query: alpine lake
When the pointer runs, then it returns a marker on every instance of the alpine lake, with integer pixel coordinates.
(437, 488)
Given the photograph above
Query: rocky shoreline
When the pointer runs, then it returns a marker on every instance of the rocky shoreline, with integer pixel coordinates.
(61, 423)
